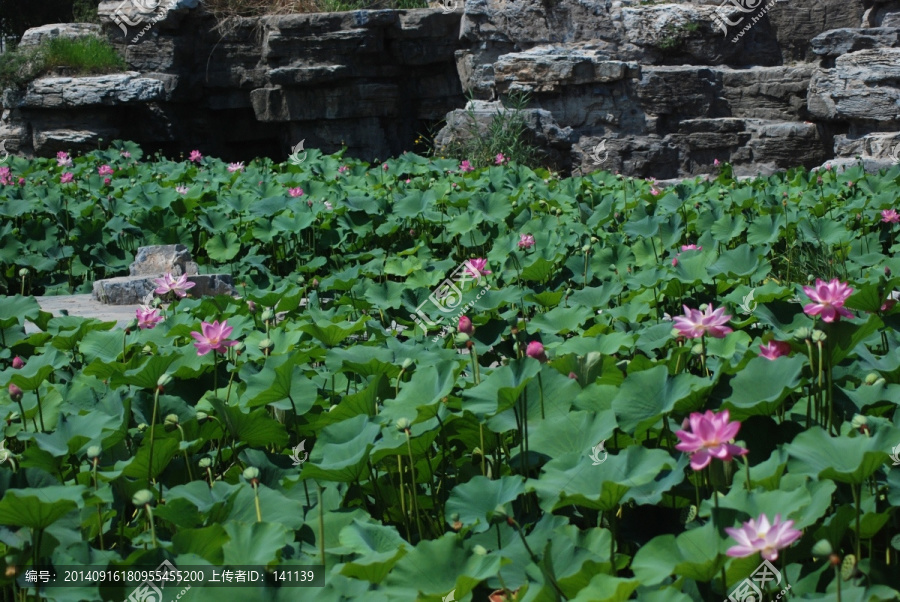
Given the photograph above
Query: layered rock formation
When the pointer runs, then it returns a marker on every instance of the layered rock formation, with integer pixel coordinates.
(646, 88)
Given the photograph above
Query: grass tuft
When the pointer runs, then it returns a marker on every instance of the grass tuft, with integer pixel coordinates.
(85, 55)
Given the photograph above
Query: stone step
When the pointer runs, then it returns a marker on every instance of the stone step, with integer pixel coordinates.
(134, 290)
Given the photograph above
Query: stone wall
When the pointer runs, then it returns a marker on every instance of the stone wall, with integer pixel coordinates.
(372, 80)
(645, 88)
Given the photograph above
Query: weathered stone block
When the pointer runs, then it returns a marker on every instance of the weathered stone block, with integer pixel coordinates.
(157, 260)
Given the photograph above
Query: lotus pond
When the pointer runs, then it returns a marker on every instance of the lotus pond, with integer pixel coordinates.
(439, 383)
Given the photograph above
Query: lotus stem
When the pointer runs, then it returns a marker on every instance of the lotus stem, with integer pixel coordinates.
(40, 409)
(256, 500)
(152, 430)
(321, 524)
(415, 497)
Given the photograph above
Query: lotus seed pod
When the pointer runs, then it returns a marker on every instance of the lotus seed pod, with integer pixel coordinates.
(403, 424)
(810, 278)
(239, 348)
(23, 272)
(201, 416)
(171, 419)
(858, 421)
(164, 380)
(697, 349)
(266, 345)
(818, 335)
(93, 452)
(704, 306)
(147, 350)
(406, 363)
(586, 249)
(461, 338)
(594, 240)
(802, 333)
(142, 427)
(205, 462)
(301, 280)
(251, 473)
(479, 550)
(142, 497)
(267, 315)
(871, 378)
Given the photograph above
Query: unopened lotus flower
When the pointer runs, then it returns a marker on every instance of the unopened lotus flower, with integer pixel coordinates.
(195, 156)
(774, 349)
(147, 318)
(694, 323)
(105, 170)
(828, 300)
(233, 167)
(758, 535)
(17, 363)
(214, 337)
(477, 267)
(63, 159)
(66, 178)
(16, 394)
(465, 326)
(465, 166)
(168, 283)
(526, 241)
(536, 350)
(890, 216)
(710, 437)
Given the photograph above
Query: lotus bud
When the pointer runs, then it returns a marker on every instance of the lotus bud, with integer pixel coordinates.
(822, 548)
(142, 498)
(16, 394)
(887, 271)
(407, 363)
(17, 363)
(251, 473)
(251, 306)
(871, 378)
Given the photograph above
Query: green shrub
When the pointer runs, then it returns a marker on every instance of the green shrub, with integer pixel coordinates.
(82, 56)
(507, 134)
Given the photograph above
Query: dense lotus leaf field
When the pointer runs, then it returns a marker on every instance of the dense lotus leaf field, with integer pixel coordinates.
(626, 391)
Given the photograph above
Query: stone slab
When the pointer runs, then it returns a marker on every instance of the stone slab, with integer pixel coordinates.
(130, 290)
(84, 306)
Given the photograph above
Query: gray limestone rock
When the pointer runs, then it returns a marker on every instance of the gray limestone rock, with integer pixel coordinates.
(163, 259)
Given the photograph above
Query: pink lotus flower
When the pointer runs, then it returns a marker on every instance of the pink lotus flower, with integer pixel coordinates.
(66, 178)
(16, 394)
(195, 156)
(709, 438)
(829, 300)
(342, 168)
(477, 268)
(147, 318)
(536, 350)
(674, 261)
(295, 192)
(774, 349)
(716, 162)
(465, 326)
(126, 154)
(694, 323)
(329, 206)
(526, 241)
(105, 170)
(106, 181)
(233, 167)
(17, 363)
(500, 159)
(5, 176)
(465, 166)
(691, 248)
(181, 189)
(757, 535)
(890, 216)
(384, 166)
(654, 191)
(63, 159)
(168, 284)
(213, 338)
